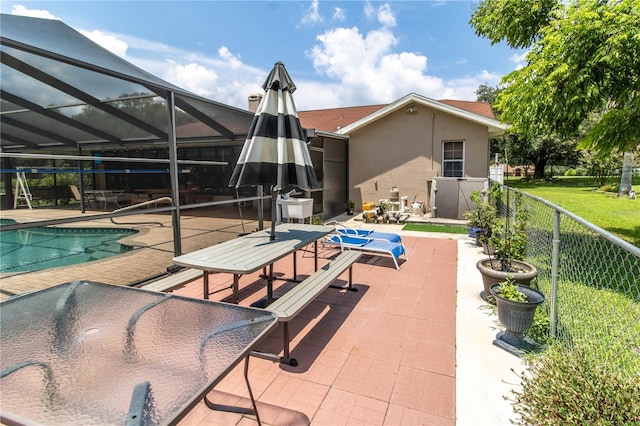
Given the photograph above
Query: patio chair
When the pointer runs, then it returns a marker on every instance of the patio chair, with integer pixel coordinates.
(370, 245)
(343, 229)
(76, 194)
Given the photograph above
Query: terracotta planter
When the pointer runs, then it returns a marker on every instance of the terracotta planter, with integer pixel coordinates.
(517, 317)
(524, 273)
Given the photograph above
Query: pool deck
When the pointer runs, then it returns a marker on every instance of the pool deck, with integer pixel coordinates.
(411, 346)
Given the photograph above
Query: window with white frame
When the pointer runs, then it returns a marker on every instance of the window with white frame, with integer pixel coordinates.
(453, 159)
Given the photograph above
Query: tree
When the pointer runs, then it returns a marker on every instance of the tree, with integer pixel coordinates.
(584, 58)
(540, 150)
(486, 93)
(600, 165)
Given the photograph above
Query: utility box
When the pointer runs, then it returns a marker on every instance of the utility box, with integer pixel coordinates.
(451, 196)
(296, 208)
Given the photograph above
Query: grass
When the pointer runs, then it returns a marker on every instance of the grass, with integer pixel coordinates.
(579, 195)
(428, 227)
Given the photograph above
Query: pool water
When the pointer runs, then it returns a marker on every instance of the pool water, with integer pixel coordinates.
(35, 249)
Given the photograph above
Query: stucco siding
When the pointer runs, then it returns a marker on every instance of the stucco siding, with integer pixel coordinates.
(404, 150)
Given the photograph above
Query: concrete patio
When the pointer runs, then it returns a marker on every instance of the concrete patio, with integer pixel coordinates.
(409, 347)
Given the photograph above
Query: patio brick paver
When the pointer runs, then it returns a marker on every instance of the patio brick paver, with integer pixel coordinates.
(384, 355)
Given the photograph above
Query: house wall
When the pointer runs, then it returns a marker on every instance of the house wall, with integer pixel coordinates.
(404, 150)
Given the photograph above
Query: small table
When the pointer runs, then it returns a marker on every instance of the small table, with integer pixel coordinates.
(251, 252)
(93, 354)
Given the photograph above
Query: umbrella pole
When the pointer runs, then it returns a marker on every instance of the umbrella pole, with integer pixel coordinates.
(274, 212)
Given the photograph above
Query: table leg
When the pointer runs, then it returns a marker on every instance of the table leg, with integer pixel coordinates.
(240, 410)
(270, 285)
(315, 255)
(295, 266)
(236, 285)
(205, 280)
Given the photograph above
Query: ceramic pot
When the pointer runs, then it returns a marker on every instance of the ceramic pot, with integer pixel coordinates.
(491, 274)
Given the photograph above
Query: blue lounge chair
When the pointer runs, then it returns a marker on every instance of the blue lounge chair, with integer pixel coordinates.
(371, 245)
(364, 233)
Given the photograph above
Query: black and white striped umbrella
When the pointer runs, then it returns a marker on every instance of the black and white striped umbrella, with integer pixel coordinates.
(275, 153)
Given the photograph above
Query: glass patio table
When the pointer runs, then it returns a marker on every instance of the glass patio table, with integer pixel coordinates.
(89, 353)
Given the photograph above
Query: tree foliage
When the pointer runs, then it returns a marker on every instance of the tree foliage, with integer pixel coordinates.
(584, 59)
(517, 22)
(600, 165)
(488, 94)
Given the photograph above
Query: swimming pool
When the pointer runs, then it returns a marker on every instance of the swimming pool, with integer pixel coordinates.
(35, 249)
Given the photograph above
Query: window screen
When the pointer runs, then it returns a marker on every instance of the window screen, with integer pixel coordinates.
(453, 159)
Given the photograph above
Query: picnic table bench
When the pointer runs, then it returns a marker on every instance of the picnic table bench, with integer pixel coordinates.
(289, 305)
(173, 281)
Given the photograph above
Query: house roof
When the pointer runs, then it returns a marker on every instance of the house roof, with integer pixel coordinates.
(333, 119)
(480, 108)
(345, 120)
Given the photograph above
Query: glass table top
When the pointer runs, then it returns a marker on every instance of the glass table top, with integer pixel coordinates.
(91, 353)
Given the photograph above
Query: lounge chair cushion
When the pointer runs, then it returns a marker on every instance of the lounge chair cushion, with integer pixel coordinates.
(370, 233)
(371, 244)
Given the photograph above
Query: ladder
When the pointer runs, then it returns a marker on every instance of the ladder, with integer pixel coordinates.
(22, 190)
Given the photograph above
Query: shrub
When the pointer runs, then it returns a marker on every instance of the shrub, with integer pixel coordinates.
(539, 331)
(611, 187)
(570, 172)
(574, 387)
(508, 290)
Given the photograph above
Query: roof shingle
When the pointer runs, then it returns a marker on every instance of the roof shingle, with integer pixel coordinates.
(333, 119)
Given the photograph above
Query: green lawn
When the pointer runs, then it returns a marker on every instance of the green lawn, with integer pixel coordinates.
(429, 227)
(620, 216)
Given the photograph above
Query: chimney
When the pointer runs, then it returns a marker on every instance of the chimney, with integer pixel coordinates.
(254, 101)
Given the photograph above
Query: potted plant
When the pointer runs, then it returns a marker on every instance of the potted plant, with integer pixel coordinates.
(481, 220)
(350, 205)
(509, 242)
(517, 306)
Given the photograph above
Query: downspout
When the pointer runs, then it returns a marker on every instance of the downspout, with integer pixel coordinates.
(173, 173)
(433, 131)
(433, 137)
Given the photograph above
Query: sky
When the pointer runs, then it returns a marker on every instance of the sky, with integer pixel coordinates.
(338, 53)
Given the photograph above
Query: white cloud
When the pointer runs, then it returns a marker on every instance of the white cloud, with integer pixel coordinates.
(465, 88)
(193, 77)
(385, 16)
(109, 41)
(519, 59)
(224, 79)
(19, 9)
(369, 10)
(367, 68)
(312, 15)
(233, 60)
(339, 14)
(317, 95)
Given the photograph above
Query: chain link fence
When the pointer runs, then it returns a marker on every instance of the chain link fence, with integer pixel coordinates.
(591, 280)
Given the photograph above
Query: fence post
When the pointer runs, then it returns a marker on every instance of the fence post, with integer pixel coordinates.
(554, 273)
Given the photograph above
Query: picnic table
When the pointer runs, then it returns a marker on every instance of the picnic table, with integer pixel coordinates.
(255, 251)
